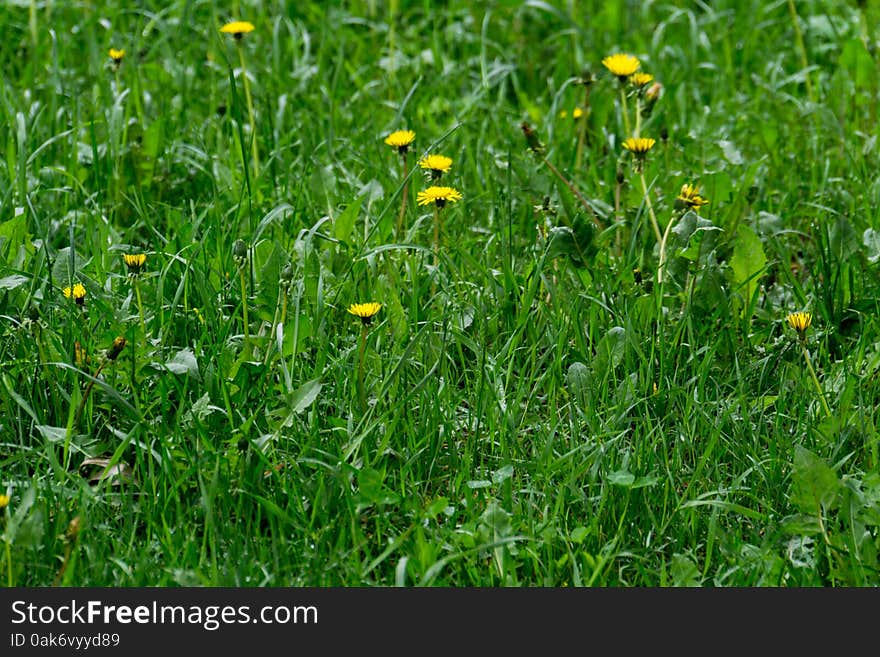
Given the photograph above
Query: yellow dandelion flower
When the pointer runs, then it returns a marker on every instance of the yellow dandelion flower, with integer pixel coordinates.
(563, 114)
(401, 139)
(134, 262)
(689, 197)
(436, 164)
(366, 311)
(640, 79)
(4, 501)
(438, 196)
(77, 292)
(577, 113)
(800, 322)
(621, 65)
(237, 28)
(116, 55)
(639, 146)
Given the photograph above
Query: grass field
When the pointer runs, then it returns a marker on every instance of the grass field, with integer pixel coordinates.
(579, 375)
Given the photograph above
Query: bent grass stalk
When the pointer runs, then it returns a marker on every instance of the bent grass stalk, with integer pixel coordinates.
(573, 190)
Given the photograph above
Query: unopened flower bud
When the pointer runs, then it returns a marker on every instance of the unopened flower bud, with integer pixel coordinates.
(532, 140)
(239, 251)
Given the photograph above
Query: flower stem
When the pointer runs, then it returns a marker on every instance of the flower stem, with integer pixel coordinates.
(8, 562)
(582, 129)
(574, 191)
(802, 49)
(436, 248)
(137, 291)
(815, 379)
(250, 106)
(638, 117)
(403, 197)
(244, 305)
(662, 261)
(624, 109)
(650, 208)
(362, 394)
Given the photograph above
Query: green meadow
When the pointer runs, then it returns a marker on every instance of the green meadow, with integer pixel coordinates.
(627, 337)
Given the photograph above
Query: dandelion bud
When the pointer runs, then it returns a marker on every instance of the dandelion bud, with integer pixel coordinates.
(116, 348)
(239, 251)
(287, 275)
(586, 78)
(653, 92)
(532, 140)
(72, 529)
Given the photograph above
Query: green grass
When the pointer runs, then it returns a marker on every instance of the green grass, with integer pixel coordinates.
(541, 410)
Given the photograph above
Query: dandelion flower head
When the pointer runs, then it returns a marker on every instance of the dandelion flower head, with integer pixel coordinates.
(4, 501)
(366, 311)
(237, 28)
(639, 146)
(438, 196)
(640, 79)
(621, 65)
(689, 197)
(800, 322)
(134, 261)
(116, 55)
(400, 139)
(436, 163)
(77, 292)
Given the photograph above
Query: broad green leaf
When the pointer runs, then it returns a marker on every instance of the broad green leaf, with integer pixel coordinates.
(184, 362)
(13, 234)
(609, 351)
(684, 571)
(747, 264)
(871, 240)
(12, 282)
(578, 380)
(502, 474)
(858, 64)
(622, 478)
(305, 395)
(814, 483)
(343, 224)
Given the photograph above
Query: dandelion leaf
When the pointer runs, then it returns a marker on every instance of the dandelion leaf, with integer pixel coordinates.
(814, 484)
(746, 265)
